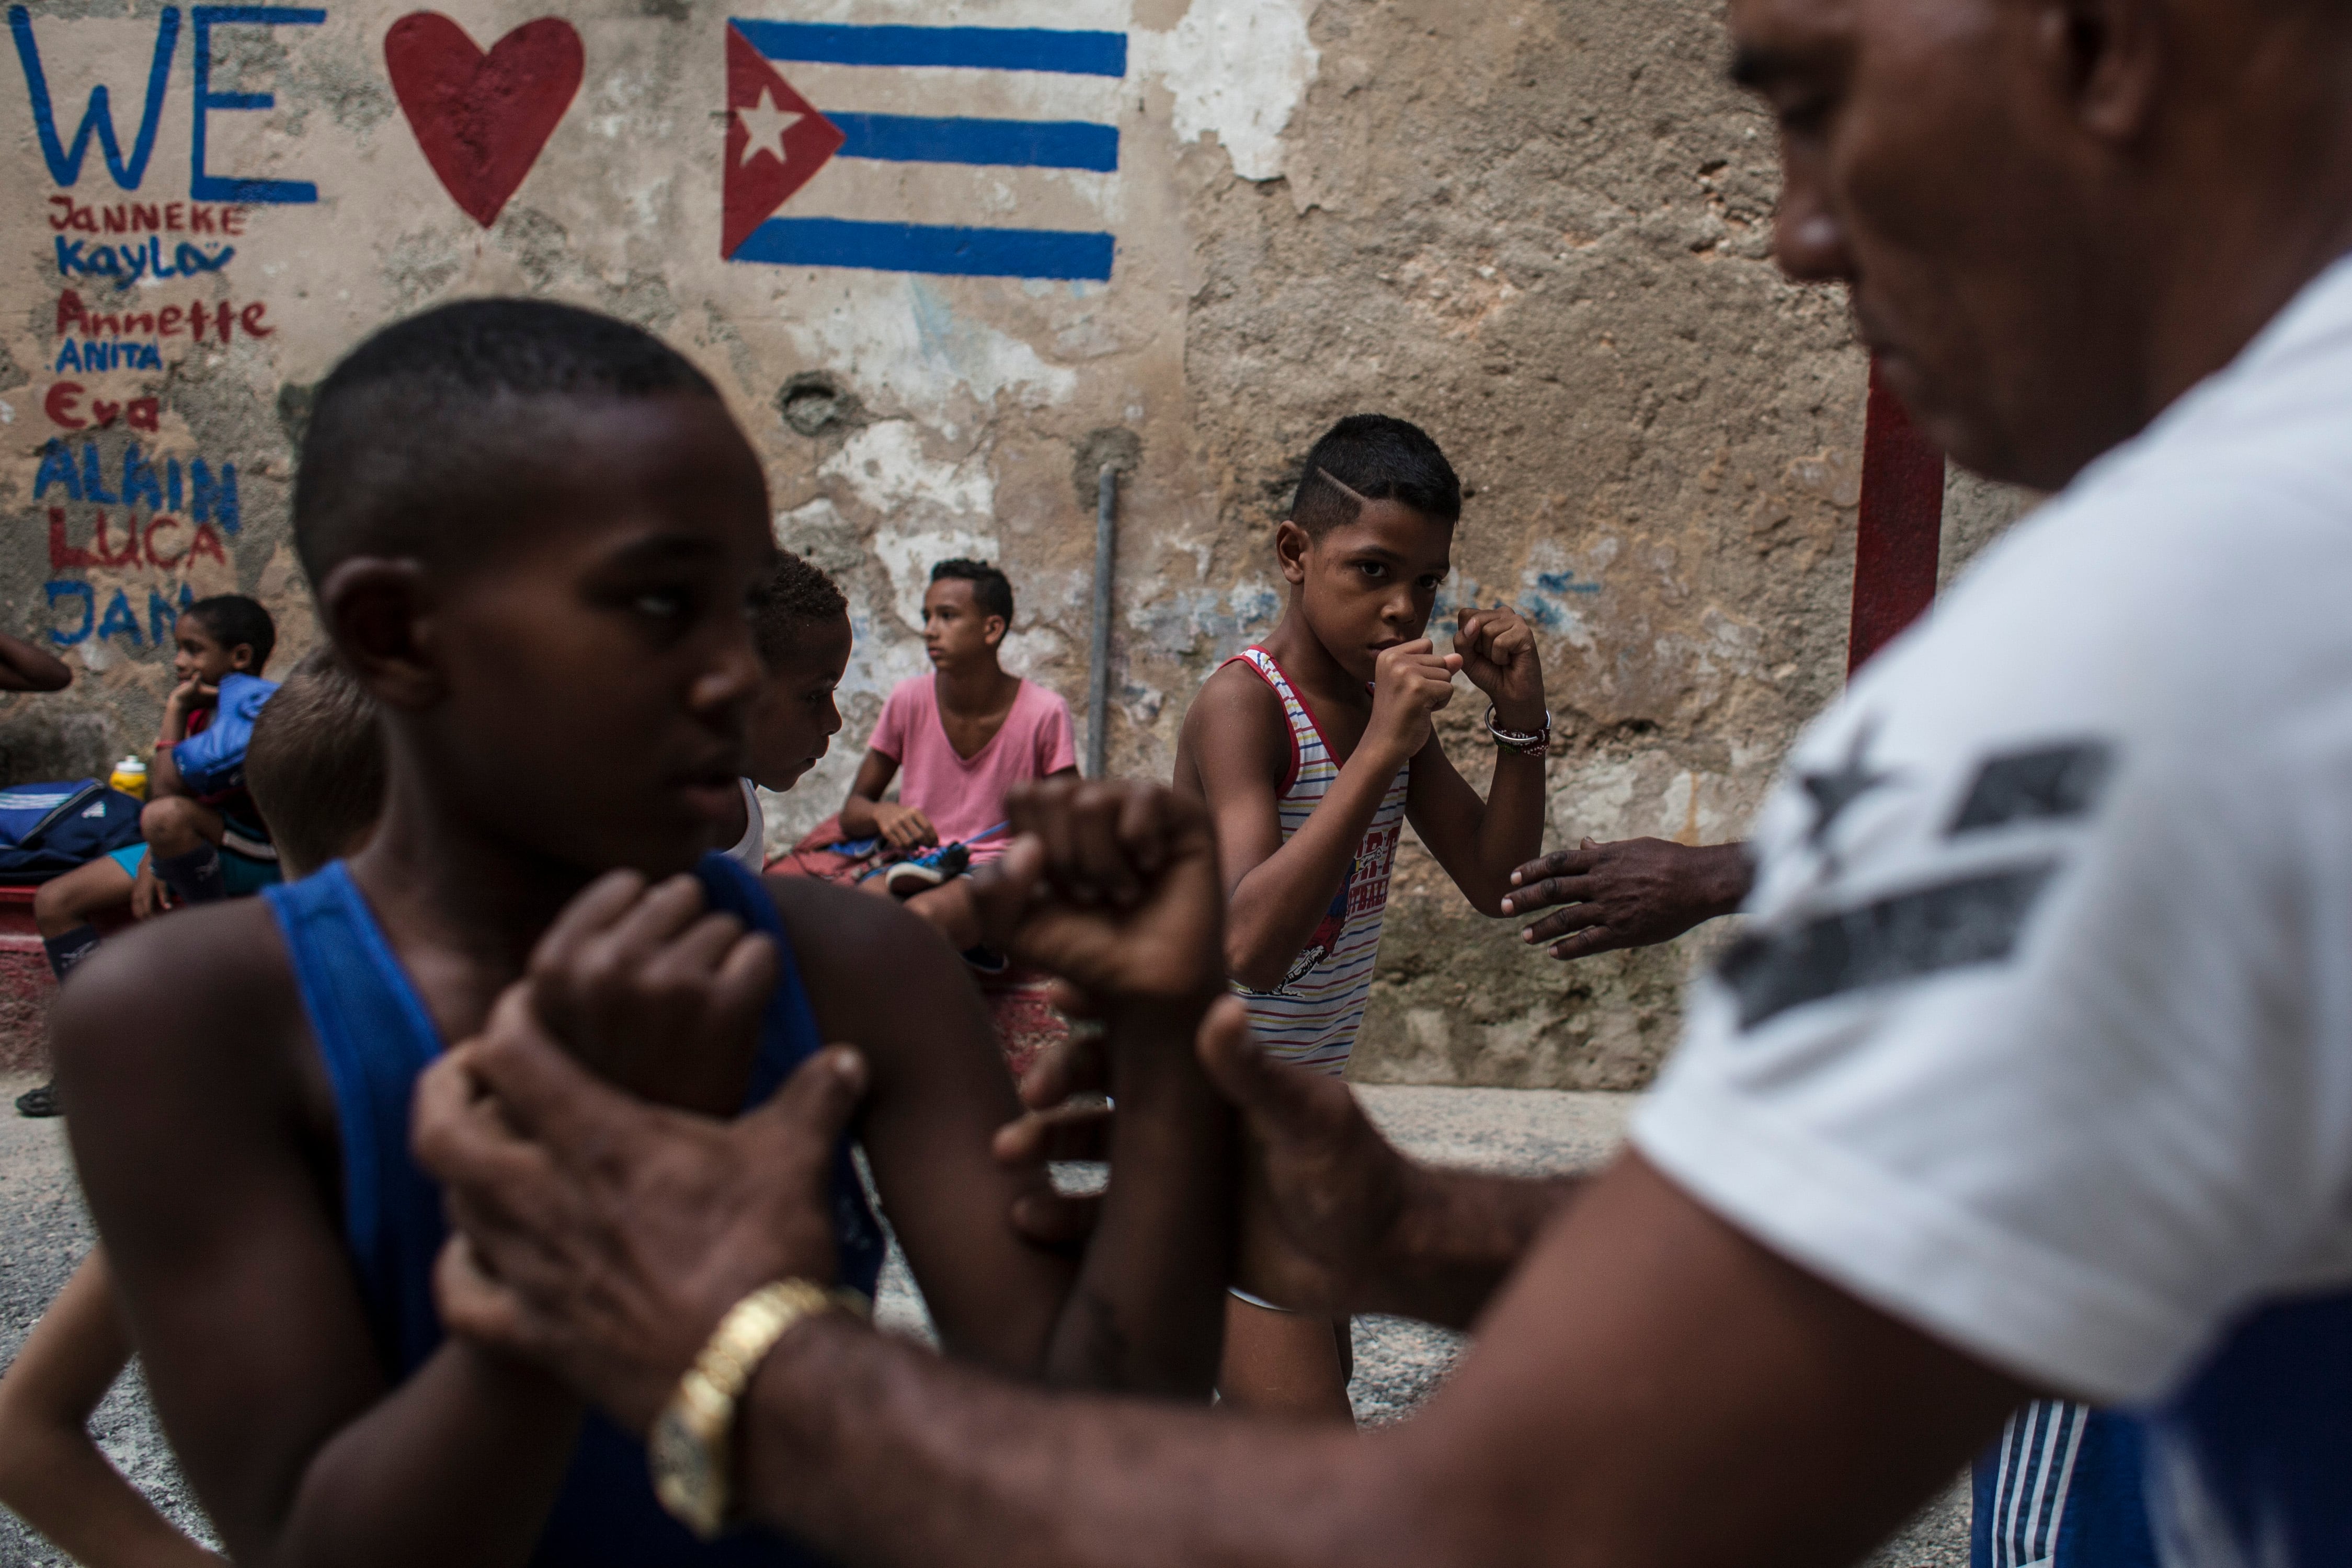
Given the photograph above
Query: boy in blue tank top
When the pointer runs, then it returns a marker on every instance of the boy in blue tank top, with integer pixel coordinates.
(534, 533)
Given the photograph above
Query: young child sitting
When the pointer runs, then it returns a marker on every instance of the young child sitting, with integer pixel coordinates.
(533, 534)
(203, 841)
(800, 623)
(963, 735)
(1312, 750)
(315, 769)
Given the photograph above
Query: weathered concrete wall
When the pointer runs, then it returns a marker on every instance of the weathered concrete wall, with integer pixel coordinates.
(1539, 230)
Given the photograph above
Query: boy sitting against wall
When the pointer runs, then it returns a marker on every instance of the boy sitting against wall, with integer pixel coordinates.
(962, 736)
(204, 839)
(315, 769)
(516, 514)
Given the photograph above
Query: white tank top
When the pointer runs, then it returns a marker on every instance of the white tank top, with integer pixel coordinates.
(750, 850)
(1311, 1019)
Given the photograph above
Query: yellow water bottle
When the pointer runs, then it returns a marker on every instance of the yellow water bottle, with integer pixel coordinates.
(129, 776)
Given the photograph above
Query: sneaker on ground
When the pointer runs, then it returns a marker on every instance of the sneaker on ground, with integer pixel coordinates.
(925, 872)
(40, 1101)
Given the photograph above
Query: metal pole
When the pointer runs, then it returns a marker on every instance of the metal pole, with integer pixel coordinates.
(1098, 669)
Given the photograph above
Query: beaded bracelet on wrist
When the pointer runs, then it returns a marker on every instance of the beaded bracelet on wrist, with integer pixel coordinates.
(1534, 745)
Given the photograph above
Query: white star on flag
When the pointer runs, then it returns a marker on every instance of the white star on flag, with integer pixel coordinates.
(765, 124)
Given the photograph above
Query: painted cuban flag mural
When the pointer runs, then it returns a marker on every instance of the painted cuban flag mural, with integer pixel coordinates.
(963, 135)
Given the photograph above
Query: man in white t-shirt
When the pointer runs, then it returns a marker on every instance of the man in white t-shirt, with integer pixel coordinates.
(2032, 1075)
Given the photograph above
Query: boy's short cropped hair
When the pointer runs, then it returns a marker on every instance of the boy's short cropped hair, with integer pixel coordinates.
(232, 620)
(1372, 457)
(991, 589)
(799, 596)
(315, 763)
(414, 438)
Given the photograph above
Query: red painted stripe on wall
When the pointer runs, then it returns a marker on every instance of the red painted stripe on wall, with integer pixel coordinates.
(1901, 527)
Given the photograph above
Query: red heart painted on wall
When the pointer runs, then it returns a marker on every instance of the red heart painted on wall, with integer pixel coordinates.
(482, 118)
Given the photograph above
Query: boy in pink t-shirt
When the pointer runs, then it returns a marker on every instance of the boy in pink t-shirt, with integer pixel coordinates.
(963, 735)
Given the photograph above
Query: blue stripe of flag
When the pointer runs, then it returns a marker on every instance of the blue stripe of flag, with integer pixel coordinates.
(983, 48)
(1031, 143)
(926, 247)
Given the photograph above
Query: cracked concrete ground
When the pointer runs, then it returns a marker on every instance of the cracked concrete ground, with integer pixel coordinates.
(43, 1232)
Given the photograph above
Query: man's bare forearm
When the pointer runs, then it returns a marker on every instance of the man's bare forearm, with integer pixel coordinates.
(1724, 877)
(1149, 1306)
(879, 1453)
(1456, 1237)
(25, 668)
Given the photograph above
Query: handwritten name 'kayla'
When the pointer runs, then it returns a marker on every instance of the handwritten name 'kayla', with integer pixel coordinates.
(127, 264)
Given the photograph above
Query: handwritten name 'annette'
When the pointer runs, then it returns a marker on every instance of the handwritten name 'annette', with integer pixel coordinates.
(95, 340)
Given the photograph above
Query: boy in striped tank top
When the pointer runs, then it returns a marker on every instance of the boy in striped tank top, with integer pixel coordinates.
(1312, 750)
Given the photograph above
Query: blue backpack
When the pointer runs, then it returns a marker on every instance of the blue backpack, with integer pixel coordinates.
(212, 761)
(46, 829)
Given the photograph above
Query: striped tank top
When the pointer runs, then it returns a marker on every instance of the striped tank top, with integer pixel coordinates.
(1311, 1019)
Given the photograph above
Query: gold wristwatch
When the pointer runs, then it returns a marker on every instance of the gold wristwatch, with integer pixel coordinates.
(691, 1446)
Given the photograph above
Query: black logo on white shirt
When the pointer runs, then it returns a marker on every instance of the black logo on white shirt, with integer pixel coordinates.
(1832, 793)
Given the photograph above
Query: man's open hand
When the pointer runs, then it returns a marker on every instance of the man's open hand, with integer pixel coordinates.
(1112, 885)
(1632, 894)
(647, 986)
(603, 1238)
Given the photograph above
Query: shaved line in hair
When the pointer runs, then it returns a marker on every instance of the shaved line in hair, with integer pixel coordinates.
(1368, 458)
(1337, 484)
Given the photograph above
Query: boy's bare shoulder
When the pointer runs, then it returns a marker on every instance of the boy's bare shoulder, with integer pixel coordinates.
(1236, 707)
(870, 965)
(837, 930)
(816, 912)
(209, 985)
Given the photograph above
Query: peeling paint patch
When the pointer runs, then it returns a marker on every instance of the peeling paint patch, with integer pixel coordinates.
(903, 345)
(1237, 69)
(1175, 623)
(1141, 704)
(883, 464)
(1556, 617)
(1029, 652)
(1254, 604)
(909, 557)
